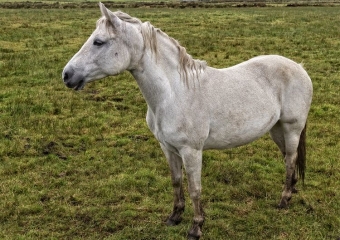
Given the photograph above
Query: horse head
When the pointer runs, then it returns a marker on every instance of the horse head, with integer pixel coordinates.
(114, 46)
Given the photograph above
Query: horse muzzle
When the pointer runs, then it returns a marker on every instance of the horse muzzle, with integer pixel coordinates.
(73, 79)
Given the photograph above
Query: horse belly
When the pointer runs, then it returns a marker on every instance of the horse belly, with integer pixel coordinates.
(225, 134)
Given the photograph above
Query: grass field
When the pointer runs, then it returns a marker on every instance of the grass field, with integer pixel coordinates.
(83, 165)
(48, 4)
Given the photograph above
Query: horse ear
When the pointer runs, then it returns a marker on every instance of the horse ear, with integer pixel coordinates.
(116, 22)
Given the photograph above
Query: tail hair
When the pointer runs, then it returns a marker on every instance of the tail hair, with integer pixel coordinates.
(301, 156)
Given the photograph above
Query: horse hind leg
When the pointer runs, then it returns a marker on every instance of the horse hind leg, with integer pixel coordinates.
(300, 160)
(294, 160)
(277, 134)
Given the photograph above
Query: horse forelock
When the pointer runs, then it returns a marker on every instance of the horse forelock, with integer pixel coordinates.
(189, 68)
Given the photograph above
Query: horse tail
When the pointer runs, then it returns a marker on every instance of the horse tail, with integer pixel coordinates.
(301, 155)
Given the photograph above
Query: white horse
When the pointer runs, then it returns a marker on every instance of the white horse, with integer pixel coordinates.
(192, 107)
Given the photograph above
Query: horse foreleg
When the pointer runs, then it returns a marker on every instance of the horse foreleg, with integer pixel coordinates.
(175, 163)
(192, 160)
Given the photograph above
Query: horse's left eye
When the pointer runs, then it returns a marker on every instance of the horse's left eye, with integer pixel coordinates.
(98, 42)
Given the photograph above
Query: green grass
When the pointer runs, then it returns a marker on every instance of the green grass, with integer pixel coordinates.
(83, 165)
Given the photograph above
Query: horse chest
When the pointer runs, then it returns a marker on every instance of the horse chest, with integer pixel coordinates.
(175, 130)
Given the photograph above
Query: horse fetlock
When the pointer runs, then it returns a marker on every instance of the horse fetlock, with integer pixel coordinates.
(179, 206)
(295, 190)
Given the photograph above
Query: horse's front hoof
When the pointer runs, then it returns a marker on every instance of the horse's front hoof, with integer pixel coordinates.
(173, 222)
(193, 238)
(282, 206)
(195, 232)
(175, 217)
(283, 203)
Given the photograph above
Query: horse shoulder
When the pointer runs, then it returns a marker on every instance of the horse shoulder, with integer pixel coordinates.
(179, 122)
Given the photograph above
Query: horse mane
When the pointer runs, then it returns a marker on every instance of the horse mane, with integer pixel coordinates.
(188, 65)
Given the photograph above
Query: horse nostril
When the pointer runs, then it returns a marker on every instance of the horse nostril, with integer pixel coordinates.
(68, 74)
(65, 77)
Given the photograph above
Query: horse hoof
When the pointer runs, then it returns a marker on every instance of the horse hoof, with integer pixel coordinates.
(195, 233)
(193, 238)
(283, 204)
(173, 222)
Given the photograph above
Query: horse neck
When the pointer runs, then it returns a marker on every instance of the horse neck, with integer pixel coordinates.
(157, 73)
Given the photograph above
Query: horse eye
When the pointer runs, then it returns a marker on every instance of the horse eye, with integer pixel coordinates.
(97, 42)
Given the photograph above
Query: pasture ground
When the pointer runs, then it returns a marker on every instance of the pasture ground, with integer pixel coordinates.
(83, 165)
